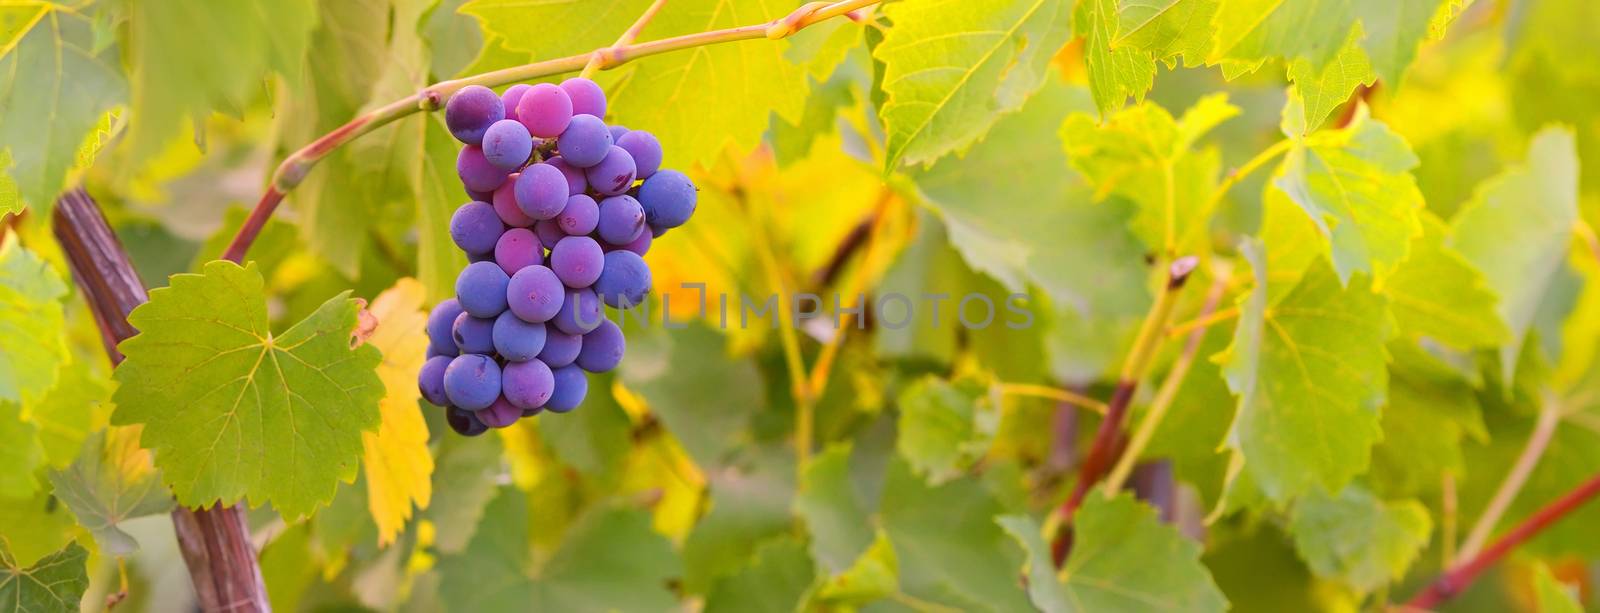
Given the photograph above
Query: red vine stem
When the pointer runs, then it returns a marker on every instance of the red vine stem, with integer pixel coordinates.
(293, 169)
(1456, 580)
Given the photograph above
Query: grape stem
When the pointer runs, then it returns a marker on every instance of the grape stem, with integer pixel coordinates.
(1053, 393)
(628, 36)
(1458, 577)
(1538, 442)
(294, 168)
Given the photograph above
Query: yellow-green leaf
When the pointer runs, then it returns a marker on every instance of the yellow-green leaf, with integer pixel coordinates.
(55, 584)
(32, 324)
(396, 459)
(1435, 293)
(1357, 538)
(113, 480)
(1115, 74)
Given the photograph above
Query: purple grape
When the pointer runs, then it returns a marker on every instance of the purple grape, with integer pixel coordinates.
(464, 422)
(545, 110)
(549, 231)
(621, 220)
(518, 248)
(645, 149)
(616, 132)
(602, 348)
(587, 97)
(475, 227)
(535, 294)
(580, 312)
(472, 381)
(441, 323)
(614, 174)
(585, 142)
(576, 182)
(430, 380)
(474, 334)
(507, 145)
(668, 198)
(512, 96)
(571, 385)
(640, 245)
(505, 204)
(481, 289)
(576, 260)
(560, 348)
(517, 340)
(625, 280)
(500, 414)
(471, 111)
(579, 217)
(541, 191)
(527, 384)
(476, 172)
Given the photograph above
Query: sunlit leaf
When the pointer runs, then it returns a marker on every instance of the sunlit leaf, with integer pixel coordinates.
(1357, 538)
(945, 426)
(395, 457)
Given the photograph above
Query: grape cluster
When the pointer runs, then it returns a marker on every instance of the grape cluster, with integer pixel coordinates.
(563, 208)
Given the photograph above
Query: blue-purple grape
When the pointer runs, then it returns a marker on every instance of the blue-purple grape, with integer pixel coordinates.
(545, 110)
(512, 96)
(614, 174)
(585, 142)
(535, 294)
(621, 220)
(580, 312)
(464, 422)
(504, 200)
(507, 145)
(625, 280)
(577, 260)
(471, 111)
(549, 231)
(571, 385)
(587, 97)
(500, 414)
(576, 182)
(602, 348)
(474, 334)
(560, 348)
(475, 227)
(668, 198)
(481, 289)
(441, 324)
(527, 384)
(541, 191)
(646, 152)
(518, 248)
(472, 381)
(430, 380)
(580, 216)
(517, 340)
(476, 173)
(640, 245)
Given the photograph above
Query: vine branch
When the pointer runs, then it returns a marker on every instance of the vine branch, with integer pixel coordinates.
(1538, 441)
(294, 168)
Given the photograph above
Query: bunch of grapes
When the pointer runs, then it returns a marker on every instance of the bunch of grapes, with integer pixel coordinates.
(563, 208)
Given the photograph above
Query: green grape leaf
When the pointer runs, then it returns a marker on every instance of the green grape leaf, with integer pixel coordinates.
(234, 411)
(32, 527)
(703, 396)
(1355, 184)
(744, 81)
(775, 581)
(1123, 559)
(949, 548)
(587, 24)
(435, 187)
(596, 440)
(54, 89)
(1014, 221)
(609, 561)
(949, 70)
(20, 451)
(749, 503)
(1435, 293)
(32, 323)
(113, 480)
(79, 404)
(792, 142)
(1431, 410)
(946, 426)
(464, 477)
(55, 583)
(191, 59)
(1167, 29)
(1115, 74)
(1393, 30)
(874, 575)
(1552, 595)
(1142, 154)
(1357, 538)
(1516, 231)
(1309, 371)
(1323, 90)
(833, 511)
(454, 39)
